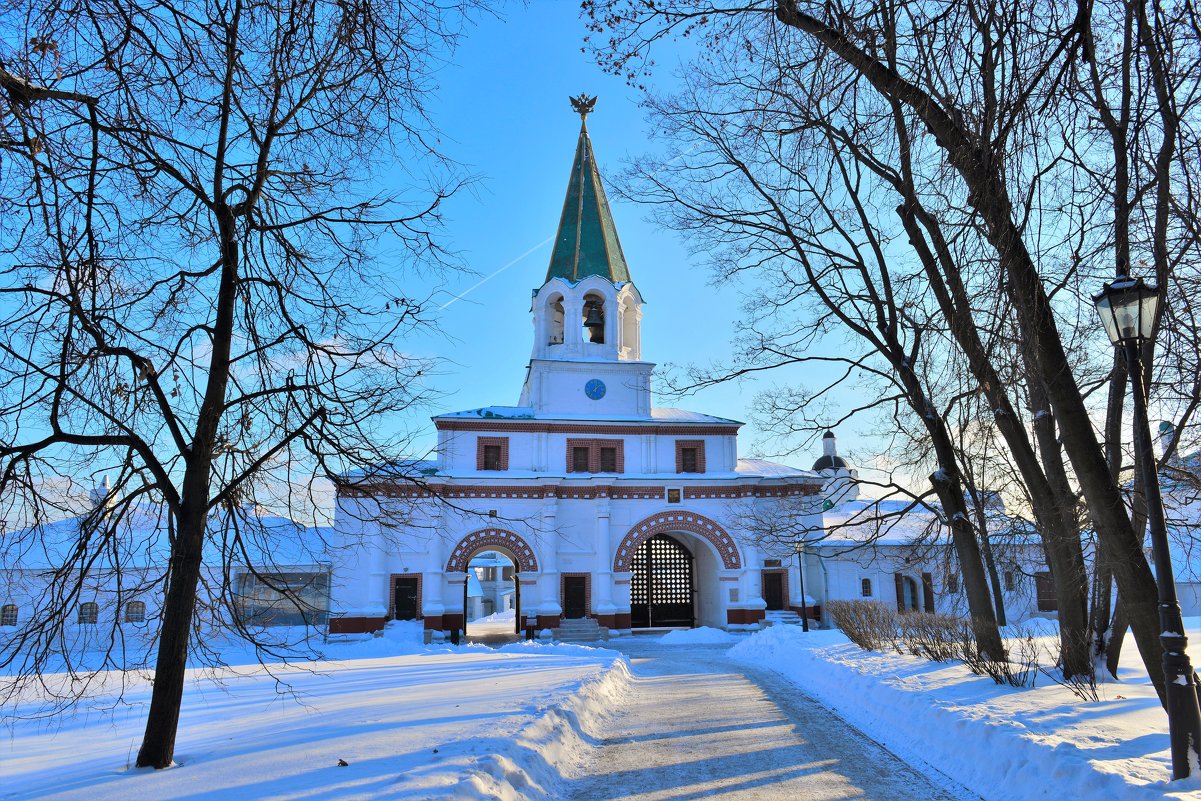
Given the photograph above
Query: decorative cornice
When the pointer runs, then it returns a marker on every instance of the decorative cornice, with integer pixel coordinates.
(572, 492)
(503, 426)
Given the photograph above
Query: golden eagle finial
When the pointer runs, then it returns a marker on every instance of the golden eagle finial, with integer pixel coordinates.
(583, 104)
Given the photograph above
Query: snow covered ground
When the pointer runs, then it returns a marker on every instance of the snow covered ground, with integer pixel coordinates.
(411, 721)
(1003, 743)
(529, 721)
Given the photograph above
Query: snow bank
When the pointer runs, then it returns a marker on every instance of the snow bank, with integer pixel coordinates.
(467, 722)
(702, 635)
(1006, 744)
(560, 735)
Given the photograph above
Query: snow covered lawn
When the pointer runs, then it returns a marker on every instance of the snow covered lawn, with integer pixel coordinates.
(1003, 743)
(429, 723)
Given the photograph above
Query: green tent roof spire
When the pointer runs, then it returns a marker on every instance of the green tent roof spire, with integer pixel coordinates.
(586, 243)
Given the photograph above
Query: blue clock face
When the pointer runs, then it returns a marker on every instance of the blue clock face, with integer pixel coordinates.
(595, 389)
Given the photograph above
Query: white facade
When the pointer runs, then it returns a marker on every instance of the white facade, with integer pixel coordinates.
(572, 482)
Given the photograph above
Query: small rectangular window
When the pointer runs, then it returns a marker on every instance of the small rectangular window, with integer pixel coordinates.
(952, 583)
(492, 457)
(88, 613)
(492, 453)
(865, 588)
(608, 460)
(8, 615)
(1009, 581)
(579, 460)
(688, 461)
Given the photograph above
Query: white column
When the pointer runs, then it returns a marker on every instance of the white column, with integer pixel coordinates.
(549, 558)
(602, 571)
(573, 325)
(434, 578)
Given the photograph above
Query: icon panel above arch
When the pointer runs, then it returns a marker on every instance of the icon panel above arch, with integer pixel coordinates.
(492, 539)
(666, 523)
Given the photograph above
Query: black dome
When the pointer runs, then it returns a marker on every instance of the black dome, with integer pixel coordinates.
(828, 462)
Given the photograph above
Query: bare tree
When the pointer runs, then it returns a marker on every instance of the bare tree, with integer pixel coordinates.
(189, 215)
(978, 122)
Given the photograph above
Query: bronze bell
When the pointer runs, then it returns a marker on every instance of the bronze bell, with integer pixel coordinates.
(595, 323)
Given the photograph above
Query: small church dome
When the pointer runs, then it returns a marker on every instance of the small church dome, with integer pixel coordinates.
(830, 460)
(827, 462)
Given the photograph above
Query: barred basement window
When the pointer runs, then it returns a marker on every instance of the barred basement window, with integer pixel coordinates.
(8, 615)
(608, 460)
(865, 588)
(88, 613)
(135, 612)
(282, 599)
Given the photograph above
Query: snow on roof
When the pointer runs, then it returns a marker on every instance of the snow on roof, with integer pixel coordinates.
(902, 521)
(528, 413)
(139, 538)
(888, 521)
(762, 467)
(414, 469)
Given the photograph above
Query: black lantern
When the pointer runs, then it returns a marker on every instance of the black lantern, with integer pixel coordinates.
(595, 323)
(1127, 308)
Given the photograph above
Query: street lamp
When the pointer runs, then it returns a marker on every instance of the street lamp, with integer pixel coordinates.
(800, 551)
(1127, 308)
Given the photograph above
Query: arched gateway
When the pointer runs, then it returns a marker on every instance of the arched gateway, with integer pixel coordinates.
(498, 538)
(666, 522)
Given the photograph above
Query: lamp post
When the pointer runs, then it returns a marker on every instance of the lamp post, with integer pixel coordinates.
(800, 551)
(1127, 308)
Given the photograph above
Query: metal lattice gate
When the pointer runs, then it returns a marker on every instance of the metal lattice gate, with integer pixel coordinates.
(661, 589)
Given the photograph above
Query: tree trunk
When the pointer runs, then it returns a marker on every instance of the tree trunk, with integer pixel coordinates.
(179, 606)
(1048, 496)
(994, 578)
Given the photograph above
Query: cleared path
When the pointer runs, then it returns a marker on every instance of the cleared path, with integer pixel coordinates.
(698, 725)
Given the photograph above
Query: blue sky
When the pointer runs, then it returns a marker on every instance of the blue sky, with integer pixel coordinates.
(504, 113)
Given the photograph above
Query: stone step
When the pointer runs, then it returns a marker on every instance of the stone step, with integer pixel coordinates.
(585, 630)
(784, 617)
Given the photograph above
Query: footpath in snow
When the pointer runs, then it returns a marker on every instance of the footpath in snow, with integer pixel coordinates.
(696, 725)
(1004, 743)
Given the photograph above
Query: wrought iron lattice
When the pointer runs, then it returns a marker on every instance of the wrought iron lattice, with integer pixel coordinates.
(661, 587)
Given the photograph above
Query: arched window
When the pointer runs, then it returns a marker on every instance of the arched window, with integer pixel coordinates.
(8, 615)
(865, 588)
(554, 321)
(135, 612)
(594, 318)
(89, 612)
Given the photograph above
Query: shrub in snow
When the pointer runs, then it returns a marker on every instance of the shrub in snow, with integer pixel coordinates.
(935, 637)
(869, 624)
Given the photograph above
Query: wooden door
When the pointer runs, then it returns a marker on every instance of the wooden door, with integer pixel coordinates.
(575, 597)
(405, 598)
(773, 590)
